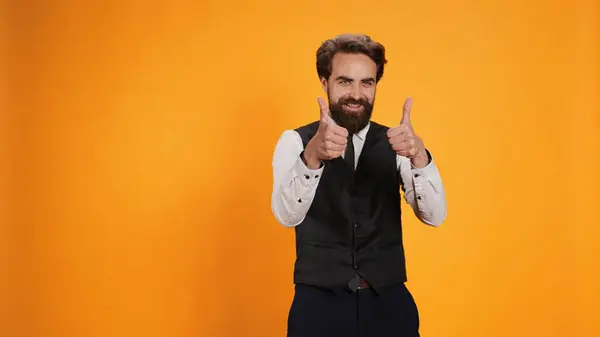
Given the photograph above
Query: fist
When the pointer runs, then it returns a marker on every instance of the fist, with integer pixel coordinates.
(329, 142)
(405, 142)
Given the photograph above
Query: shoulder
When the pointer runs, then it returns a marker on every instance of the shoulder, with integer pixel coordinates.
(378, 126)
(307, 131)
(308, 128)
(293, 138)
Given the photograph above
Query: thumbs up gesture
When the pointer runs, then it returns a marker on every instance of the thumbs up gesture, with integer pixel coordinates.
(329, 141)
(405, 142)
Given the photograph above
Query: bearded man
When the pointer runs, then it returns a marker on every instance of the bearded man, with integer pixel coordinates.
(337, 182)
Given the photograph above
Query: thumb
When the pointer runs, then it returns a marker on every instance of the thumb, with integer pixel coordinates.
(325, 116)
(406, 112)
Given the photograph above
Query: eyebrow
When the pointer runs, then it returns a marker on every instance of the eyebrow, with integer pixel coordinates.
(346, 78)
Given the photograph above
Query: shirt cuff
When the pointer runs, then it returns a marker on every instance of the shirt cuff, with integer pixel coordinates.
(429, 174)
(307, 175)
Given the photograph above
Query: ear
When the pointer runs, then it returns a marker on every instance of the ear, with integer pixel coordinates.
(324, 84)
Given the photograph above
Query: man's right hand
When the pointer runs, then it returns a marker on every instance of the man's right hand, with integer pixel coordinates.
(328, 143)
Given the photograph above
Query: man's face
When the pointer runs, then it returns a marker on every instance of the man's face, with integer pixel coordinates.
(351, 90)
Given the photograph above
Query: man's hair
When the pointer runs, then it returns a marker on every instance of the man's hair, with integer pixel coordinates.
(353, 44)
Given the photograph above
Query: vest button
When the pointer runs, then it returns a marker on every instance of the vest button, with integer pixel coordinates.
(356, 224)
(356, 266)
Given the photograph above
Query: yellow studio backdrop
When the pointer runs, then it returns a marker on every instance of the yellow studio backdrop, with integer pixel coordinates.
(137, 147)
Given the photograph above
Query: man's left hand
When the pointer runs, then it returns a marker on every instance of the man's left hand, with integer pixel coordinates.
(404, 140)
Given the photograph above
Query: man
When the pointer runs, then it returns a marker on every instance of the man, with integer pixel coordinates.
(337, 181)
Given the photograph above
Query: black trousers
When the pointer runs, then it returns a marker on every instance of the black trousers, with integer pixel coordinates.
(317, 312)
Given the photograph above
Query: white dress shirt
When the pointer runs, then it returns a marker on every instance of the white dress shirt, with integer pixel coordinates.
(295, 185)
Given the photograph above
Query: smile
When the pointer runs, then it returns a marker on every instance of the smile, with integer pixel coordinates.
(353, 107)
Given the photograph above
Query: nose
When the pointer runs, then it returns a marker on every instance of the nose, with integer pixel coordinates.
(355, 94)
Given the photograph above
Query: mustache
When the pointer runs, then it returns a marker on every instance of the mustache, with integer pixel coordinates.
(350, 100)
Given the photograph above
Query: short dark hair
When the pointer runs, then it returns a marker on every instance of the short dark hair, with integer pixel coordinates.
(350, 43)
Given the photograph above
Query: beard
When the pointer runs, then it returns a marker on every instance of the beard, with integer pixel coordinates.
(353, 121)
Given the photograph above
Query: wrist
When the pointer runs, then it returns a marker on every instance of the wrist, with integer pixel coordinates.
(421, 159)
(310, 159)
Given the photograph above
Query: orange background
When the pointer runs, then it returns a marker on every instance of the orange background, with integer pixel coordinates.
(137, 148)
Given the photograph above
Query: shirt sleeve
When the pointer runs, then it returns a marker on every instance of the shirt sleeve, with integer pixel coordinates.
(423, 191)
(294, 184)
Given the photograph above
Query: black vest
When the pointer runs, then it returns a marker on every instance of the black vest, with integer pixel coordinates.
(354, 223)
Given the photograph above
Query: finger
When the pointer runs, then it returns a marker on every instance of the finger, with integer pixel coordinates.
(409, 153)
(333, 147)
(398, 130)
(336, 154)
(332, 154)
(401, 139)
(402, 146)
(336, 139)
(406, 111)
(325, 116)
(340, 131)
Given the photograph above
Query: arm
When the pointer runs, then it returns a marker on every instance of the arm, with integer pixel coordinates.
(294, 184)
(423, 191)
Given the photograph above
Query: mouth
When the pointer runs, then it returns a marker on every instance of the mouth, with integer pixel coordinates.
(353, 107)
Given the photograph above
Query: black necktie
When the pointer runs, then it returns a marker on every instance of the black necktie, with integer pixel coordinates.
(349, 155)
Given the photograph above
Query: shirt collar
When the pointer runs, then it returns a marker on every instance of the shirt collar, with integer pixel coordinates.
(362, 134)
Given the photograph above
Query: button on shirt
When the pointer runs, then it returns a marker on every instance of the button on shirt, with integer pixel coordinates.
(295, 185)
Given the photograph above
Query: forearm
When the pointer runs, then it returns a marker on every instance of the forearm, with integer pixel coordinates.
(424, 192)
(292, 196)
(294, 183)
